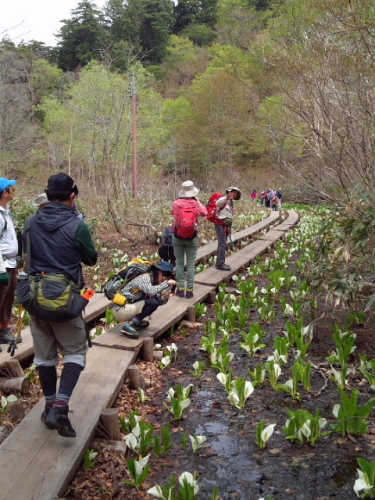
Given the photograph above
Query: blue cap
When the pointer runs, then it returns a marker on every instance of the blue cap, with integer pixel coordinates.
(4, 183)
(165, 267)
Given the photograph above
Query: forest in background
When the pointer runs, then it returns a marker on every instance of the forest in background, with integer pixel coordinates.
(255, 93)
(262, 91)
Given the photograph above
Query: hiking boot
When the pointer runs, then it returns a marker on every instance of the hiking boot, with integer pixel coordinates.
(180, 292)
(189, 294)
(142, 324)
(6, 335)
(224, 267)
(57, 418)
(129, 331)
(44, 416)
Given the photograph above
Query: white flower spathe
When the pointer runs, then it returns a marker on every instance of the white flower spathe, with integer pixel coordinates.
(189, 478)
(267, 433)
(362, 483)
(140, 465)
(222, 378)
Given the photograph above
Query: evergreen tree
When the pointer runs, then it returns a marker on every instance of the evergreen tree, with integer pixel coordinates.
(81, 38)
(185, 12)
(155, 30)
(196, 12)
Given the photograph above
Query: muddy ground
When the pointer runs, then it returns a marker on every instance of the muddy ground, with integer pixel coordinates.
(230, 459)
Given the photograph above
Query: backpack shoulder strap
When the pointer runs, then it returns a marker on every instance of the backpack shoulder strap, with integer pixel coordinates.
(5, 223)
(28, 244)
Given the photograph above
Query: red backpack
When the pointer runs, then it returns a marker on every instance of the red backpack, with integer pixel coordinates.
(212, 210)
(185, 227)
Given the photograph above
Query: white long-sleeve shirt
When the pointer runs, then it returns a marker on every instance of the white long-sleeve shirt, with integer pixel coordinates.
(225, 207)
(8, 241)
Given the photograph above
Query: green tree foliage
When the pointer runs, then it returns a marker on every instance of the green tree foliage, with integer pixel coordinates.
(155, 28)
(183, 62)
(81, 38)
(321, 59)
(123, 22)
(92, 130)
(198, 12)
(200, 34)
(237, 24)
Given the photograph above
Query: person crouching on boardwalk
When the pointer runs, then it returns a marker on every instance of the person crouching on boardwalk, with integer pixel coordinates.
(144, 294)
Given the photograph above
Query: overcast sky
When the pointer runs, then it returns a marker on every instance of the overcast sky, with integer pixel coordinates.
(35, 19)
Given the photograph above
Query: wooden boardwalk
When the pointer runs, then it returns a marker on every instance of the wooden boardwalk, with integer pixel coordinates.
(38, 464)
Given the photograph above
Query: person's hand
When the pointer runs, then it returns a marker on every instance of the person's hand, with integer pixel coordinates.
(170, 294)
(172, 282)
(4, 279)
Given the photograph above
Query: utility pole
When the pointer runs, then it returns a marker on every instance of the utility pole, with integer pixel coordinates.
(135, 155)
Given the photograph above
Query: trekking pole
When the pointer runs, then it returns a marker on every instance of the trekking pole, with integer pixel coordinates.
(20, 320)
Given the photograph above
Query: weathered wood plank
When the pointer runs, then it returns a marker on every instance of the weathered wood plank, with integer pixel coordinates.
(212, 276)
(38, 464)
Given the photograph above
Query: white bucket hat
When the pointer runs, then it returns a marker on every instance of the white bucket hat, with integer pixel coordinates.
(188, 190)
(128, 311)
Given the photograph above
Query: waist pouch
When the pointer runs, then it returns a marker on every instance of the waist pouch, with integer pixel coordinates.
(50, 297)
(228, 221)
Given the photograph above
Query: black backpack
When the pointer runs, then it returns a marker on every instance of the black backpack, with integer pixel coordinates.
(119, 280)
(166, 239)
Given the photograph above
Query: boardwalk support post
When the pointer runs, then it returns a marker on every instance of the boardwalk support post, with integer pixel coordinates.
(147, 351)
(135, 377)
(109, 424)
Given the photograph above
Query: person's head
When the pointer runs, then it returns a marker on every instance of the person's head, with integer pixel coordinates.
(233, 193)
(188, 190)
(7, 189)
(61, 187)
(163, 271)
(40, 201)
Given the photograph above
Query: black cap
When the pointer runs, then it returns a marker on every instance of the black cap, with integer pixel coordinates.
(62, 183)
(165, 267)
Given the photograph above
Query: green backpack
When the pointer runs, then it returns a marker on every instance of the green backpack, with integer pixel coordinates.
(50, 297)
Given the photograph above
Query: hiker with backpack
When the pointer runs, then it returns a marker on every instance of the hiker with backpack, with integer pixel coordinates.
(223, 224)
(165, 251)
(186, 209)
(142, 295)
(57, 243)
(8, 262)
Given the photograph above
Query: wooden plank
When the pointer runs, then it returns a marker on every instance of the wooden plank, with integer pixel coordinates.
(113, 338)
(241, 258)
(162, 319)
(99, 303)
(97, 306)
(172, 312)
(38, 464)
(293, 217)
(272, 235)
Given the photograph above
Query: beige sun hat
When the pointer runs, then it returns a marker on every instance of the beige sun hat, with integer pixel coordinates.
(188, 190)
(41, 199)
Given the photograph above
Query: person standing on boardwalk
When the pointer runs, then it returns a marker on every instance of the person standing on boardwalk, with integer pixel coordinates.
(8, 263)
(223, 227)
(254, 195)
(58, 242)
(186, 210)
